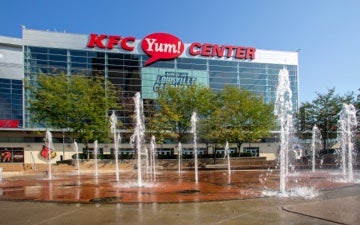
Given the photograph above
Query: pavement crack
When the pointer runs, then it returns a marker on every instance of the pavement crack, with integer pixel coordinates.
(311, 216)
(57, 216)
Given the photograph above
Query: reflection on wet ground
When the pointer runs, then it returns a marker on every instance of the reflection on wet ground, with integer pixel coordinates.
(166, 187)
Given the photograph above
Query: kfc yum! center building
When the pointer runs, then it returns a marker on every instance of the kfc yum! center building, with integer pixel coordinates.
(134, 65)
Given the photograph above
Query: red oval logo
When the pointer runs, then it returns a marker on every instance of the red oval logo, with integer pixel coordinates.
(161, 46)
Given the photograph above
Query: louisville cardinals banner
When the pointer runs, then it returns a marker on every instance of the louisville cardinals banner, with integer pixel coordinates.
(44, 153)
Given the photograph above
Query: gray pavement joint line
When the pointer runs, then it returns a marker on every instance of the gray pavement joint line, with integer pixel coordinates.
(315, 217)
(57, 216)
(237, 216)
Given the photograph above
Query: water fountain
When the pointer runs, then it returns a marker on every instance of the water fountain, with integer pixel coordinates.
(138, 136)
(96, 157)
(172, 186)
(193, 130)
(153, 158)
(147, 160)
(284, 111)
(179, 157)
(76, 148)
(50, 147)
(227, 155)
(315, 141)
(116, 136)
(347, 125)
(118, 140)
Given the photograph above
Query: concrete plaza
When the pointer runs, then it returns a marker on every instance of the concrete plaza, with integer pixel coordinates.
(335, 206)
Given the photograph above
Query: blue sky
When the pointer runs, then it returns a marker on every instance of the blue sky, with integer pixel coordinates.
(326, 31)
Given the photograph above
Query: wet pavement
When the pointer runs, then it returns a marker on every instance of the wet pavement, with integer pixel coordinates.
(335, 203)
(166, 187)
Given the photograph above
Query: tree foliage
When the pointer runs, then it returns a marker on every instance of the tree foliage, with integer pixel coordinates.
(175, 107)
(77, 103)
(241, 116)
(324, 113)
(231, 115)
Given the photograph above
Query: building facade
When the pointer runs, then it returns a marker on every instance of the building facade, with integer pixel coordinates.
(132, 64)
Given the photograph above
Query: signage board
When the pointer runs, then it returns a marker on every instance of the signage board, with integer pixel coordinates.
(164, 46)
(9, 123)
(155, 78)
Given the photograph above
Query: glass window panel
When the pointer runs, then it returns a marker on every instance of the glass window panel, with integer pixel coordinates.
(195, 64)
(38, 50)
(55, 51)
(160, 64)
(77, 53)
(218, 65)
(4, 81)
(39, 56)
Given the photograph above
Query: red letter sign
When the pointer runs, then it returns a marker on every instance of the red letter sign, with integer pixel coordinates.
(9, 123)
(161, 46)
(96, 40)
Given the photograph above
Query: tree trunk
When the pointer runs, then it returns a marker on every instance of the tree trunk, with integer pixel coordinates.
(87, 150)
(214, 153)
(238, 144)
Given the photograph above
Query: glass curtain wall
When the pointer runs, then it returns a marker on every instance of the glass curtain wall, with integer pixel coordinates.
(124, 71)
(11, 100)
(121, 69)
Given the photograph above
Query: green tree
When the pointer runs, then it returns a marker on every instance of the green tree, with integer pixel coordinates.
(358, 100)
(175, 107)
(77, 103)
(241, 116)
(324, 113)
(357, 106)
(304, 122)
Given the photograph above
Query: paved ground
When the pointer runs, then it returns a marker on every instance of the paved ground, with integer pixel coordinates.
(336, 206)
(168, 187)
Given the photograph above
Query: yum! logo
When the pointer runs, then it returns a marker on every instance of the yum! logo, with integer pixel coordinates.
(161, 46)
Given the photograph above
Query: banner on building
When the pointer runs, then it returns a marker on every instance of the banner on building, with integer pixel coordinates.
(155, 78)
(44, 153)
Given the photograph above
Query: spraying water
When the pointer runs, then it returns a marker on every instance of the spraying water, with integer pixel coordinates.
(179, 157)
(153, 157)
(138, 135)
(283, 109)
(95, 157)
(347, 125)
(316, 140)
(113, 123)
(193, 130)
(77, 157)
(50, 146)
(227, 155)
(118, 141)
(147, 160)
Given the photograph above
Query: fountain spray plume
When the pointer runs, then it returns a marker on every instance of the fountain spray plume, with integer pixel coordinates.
(227, 155)
(315, 141)
(193, 130)
(153, 157)
(179, 157)
(147, 160)
(76, 148)
(116, 135)
(347, 127)
(138, 136)
(95, 157)
(50, 146)
(283, 109)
